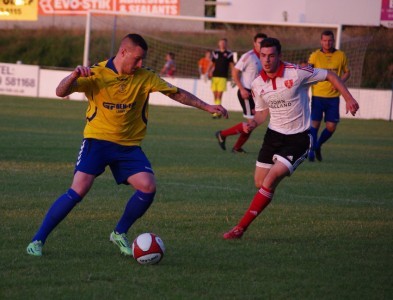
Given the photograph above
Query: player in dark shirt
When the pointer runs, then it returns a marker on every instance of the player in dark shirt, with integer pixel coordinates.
(222, 63)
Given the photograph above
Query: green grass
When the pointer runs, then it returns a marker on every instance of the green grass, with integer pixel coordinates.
(328, 233)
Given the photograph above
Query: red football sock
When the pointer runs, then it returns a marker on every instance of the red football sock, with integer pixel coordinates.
(241, 140)
(261, 199)
(238, 128)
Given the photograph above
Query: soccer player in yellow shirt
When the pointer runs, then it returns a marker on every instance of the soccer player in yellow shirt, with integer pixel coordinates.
(116, 118)
(325, 97)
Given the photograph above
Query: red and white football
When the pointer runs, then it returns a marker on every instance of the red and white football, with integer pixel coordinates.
(148, 249)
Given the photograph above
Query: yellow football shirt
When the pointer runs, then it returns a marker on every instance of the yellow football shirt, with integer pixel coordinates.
(118, 104)
(335, 62)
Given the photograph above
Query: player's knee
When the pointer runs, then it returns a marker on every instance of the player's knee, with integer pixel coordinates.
(81, 191)
(258, 183)
(315, 124)
(331, 127)
(147, 187)
(74, 196)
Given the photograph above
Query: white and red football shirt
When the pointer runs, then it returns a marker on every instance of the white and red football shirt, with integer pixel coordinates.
(286, 96)
(250, 65)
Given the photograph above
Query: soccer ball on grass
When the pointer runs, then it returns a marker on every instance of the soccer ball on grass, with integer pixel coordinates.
(148, 249)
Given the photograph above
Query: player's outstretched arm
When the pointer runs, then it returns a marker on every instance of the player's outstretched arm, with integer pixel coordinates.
(186, 98)
(351, 104)
(64, 87)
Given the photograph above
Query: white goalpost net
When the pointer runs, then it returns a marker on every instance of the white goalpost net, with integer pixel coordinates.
(189, 37)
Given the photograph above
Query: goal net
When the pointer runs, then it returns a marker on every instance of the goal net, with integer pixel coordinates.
(190, 37)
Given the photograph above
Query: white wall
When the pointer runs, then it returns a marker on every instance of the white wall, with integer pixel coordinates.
(263, 10)
(374, 104)
(346, 12)
(49, 80)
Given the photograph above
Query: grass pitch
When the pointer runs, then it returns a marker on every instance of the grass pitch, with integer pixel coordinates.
(326, 235)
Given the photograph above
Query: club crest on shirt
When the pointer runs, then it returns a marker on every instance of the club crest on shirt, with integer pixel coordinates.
(288, 83)
(122, 88)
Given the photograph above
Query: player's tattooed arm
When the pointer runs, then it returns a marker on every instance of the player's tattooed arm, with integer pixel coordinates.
(186, 98)
(64, 87)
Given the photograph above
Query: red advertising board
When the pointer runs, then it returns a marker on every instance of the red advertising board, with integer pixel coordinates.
(80, 7)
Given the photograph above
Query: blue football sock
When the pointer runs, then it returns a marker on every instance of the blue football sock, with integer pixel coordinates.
(325, 135)
(135, 208)
(56, 213)
(314, 134)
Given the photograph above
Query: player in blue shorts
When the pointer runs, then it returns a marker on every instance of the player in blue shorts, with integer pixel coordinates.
(116, 119)
(325, 97)
(327, 109)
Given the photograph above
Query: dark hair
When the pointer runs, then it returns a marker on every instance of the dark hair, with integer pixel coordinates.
(172, 55)
(328, 33)
(137, 40)
(260, 35)
(271, 42)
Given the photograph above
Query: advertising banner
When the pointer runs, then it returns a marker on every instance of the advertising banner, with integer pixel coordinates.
(19, 80)
(18, 10)
(80, 7)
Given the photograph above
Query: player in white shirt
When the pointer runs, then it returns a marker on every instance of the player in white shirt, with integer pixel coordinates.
(281, 90)
(243, 74)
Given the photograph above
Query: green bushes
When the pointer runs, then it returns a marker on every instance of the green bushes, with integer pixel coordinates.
(62, 48)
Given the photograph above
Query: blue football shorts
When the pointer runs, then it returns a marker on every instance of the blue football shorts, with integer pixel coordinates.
(124, 161)
(328, 106)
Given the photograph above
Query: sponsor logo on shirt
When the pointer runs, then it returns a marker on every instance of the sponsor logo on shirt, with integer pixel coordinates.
(279, 104)
(119, 107)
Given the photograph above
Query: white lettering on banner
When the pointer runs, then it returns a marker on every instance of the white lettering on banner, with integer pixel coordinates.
(78, 7)
(148, 1)
(20, 80)
(149, 9)
(46, 6)
(81, 4)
